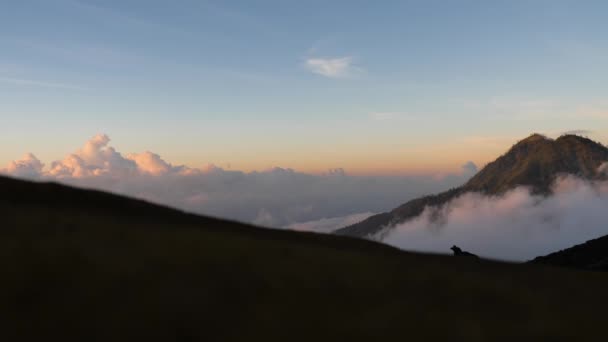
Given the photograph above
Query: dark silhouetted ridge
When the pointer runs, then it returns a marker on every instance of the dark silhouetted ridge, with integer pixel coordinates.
(591, 255)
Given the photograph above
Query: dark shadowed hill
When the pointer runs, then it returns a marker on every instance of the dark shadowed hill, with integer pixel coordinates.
(83, 265)
(534, 162)
(591, 255)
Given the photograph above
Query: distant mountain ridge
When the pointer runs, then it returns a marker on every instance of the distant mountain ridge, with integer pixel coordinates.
(534, 162)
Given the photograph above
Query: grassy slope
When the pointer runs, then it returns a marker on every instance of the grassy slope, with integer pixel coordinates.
(591, 255)
(90, 266)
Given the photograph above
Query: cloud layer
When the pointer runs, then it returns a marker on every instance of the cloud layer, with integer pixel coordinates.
(278, 197)
(517, 226)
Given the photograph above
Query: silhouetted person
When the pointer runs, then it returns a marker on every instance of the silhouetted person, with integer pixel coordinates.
(459, 252)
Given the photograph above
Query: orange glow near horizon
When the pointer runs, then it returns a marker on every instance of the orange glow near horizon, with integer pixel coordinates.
(435, 159)
(409, 157)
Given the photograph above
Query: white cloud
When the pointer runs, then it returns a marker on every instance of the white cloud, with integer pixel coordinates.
(332, 67)
(277, 197)
(328, 225)
(517, 226)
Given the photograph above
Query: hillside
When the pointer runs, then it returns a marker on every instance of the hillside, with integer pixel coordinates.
(591, 255)
(89, 266)
(534, 162)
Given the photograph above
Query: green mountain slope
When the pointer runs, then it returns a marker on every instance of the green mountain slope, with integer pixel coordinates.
(534, 162)
(89, 266)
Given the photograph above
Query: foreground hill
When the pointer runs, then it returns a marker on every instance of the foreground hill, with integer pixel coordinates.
(89, 266)
(591, 255)
(534, 162)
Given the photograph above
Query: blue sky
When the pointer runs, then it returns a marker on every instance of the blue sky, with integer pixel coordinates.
(399, 86)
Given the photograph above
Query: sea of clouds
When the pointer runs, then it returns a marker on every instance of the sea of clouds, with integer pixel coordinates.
(277, 197)
(516, 226)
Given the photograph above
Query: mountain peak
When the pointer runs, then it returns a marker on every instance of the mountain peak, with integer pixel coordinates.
(534, 137)
(537, 160)
(534, 162)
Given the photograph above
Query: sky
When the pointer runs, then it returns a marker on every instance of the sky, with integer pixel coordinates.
(401, 87)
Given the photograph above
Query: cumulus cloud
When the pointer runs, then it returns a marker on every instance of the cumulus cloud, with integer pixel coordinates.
(278, 197)
(95, 158)
(331, 67)
(27, 167)
(517, 226)
(152, 164)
